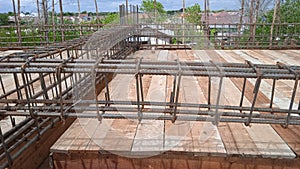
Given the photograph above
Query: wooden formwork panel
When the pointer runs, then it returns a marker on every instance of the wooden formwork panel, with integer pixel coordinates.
(165, 161)
(191, 144)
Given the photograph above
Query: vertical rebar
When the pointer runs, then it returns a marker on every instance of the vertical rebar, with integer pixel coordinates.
(256, 91)
(17, 84)
(287, 121)
(241, 21)
(243, 93)
(209, 93)
(126, 11)
(97, 12)
(217, 116)
(17, 21)
(9, 159)
(272, 93)
(176, 97)
(107, 95)
(3, 89)
(277, 4)
(140, 115)
(142, 92)
(43, 85)
(61, 20)
(53, 21)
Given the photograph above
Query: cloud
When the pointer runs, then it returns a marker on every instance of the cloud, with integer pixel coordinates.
(113, 5)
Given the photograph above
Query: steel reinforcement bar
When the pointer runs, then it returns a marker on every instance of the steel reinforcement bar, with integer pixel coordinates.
(58, 85)
(172, 110)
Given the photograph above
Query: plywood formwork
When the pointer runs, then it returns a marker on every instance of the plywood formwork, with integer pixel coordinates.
(126, 143)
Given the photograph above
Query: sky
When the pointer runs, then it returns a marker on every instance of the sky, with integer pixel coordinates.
(113, 5)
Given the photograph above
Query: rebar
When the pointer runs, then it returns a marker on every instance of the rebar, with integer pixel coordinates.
(68, 74)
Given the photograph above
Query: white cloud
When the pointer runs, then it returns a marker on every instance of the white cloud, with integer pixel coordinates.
(113, 5)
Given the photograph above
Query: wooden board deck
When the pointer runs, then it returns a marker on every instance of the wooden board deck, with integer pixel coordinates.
(149, 138)
(192, 144)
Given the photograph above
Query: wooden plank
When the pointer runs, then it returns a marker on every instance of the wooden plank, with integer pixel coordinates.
(150, 133)
(291, 136)
(98, 137)
(243, 141)
(284, 86)
(119, 137)
(205, 136)
(119, 134)
(79, 136)
(35, 155)
(282, 57)
(85, 136)
(282, 96)
(201, 55)
(178, 136)
(178, 161)
(268, 142)
(234, 136)
(66, 139)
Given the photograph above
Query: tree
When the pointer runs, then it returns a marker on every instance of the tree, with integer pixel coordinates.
(193, 14)
(289, 13)
(149, 6)
(110, 18)
(4, 19)
(263, 6)
(155, 11)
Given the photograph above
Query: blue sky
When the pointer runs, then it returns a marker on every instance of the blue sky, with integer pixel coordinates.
(112, 5)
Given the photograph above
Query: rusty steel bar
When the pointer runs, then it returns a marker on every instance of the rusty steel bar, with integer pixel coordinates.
(66, 79)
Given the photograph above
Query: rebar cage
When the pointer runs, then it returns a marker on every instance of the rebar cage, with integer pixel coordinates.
(48, 84)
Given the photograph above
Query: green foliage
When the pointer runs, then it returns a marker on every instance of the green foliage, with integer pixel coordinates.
(10, 14)
(174, 41)
(193, 14)
(148, 6)
(3, 19)
(110, 18)
(289, 13)
(69, 14)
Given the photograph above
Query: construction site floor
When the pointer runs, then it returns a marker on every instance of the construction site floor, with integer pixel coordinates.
(124, 143)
